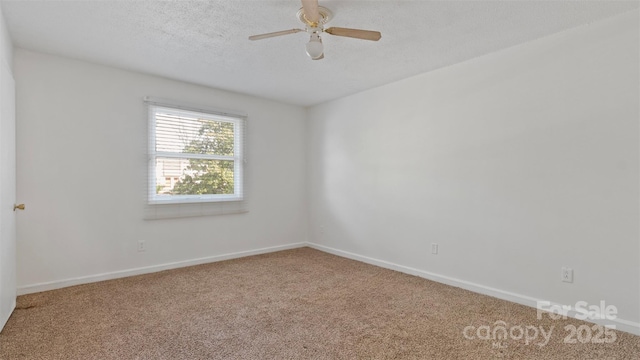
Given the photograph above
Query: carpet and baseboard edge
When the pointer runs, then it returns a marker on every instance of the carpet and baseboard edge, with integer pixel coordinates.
(58, 284)
(620, 324)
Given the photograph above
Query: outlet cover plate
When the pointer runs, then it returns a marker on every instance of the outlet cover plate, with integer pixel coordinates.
(567, 274)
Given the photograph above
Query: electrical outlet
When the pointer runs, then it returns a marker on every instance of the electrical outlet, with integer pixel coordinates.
(567, 274)
(141, 246)
(434, 248)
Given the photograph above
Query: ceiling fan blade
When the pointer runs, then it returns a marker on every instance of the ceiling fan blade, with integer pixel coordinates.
(354, 33)
(273, 34)
(311, 12)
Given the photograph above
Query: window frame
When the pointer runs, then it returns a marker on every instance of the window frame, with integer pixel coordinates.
(238, 122)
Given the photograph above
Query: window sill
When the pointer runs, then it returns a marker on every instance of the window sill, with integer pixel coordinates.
(183, 209)
(194, 200)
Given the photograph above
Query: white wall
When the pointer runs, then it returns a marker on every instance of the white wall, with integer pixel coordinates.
(6, 45)
(82, 135)
(516, 163)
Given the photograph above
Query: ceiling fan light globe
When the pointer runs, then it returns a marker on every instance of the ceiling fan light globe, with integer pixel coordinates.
(315, 49)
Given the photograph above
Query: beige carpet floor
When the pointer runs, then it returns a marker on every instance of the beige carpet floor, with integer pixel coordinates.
(296, 304)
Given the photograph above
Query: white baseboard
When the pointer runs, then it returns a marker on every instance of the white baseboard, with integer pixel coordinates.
(620, 324)
(58, 284)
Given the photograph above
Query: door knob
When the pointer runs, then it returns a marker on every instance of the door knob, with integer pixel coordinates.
(19, 207)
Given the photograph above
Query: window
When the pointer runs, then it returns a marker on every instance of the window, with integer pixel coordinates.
(195, 156)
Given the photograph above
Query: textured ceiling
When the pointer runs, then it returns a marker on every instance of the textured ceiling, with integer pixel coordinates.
(205, 42)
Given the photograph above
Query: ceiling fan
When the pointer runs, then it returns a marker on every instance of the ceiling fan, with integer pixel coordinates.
(314, 17)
